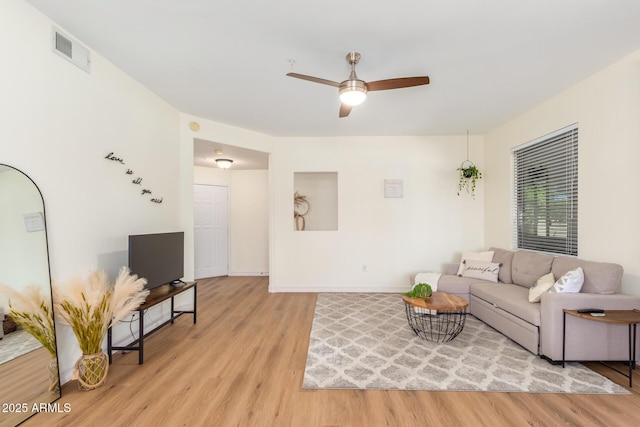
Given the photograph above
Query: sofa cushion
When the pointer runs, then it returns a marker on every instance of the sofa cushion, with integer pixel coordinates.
(453, 284)
(570, 283)
(504, 257)
(481, 270)
(510, 298)
(476, 256)
(527, 267)
(599, 277)
(543, 284)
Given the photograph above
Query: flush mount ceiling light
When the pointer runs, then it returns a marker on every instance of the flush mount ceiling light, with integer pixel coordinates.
(224, 163)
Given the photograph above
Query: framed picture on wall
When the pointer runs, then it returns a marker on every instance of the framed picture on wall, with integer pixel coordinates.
(393, 188)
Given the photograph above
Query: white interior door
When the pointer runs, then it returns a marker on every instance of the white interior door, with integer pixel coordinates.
(211, 231)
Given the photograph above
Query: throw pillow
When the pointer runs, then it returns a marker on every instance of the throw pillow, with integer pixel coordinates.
(571, 282)
(486, 256)
(481, 270)
(542, 285)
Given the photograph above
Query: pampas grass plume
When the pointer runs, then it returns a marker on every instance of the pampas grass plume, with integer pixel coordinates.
(128, 294)
(90, 307)
(32, 310)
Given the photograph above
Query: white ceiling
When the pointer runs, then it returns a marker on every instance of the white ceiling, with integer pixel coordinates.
(226, 60)
(204, 154)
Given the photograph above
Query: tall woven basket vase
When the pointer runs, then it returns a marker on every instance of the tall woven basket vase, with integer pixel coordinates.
(54, 379)
(91, 370)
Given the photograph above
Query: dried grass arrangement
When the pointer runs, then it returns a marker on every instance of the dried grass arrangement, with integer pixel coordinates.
(300, 209)
(90, 307)
(32, 310)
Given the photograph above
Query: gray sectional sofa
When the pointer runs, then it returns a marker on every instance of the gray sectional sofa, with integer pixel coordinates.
(538, 326)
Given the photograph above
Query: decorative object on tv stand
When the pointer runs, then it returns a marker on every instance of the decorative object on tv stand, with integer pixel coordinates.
(32, 310)
(300, 209)
(469, 175)
(224, 163)
(90, 307)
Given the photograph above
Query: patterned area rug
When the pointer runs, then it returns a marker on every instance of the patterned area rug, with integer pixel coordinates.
(363, 341)
(16, 344)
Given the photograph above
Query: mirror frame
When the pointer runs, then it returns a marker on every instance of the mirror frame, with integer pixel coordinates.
(30, 413)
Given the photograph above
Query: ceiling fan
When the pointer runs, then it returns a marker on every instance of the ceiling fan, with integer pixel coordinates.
(353, 91)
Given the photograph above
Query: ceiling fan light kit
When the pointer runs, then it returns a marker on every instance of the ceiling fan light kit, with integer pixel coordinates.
(353, 91)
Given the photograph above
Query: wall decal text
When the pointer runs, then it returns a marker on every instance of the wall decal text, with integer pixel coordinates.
(137, 181)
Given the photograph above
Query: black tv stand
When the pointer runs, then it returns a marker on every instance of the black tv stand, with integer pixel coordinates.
(156, 296)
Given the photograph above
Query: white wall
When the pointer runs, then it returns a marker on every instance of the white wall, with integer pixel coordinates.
(392, 238)
(607, 108)
(211, 176)
(58, 124)
(320, 190)
(248, 217)
(249, 223)
(225, 134)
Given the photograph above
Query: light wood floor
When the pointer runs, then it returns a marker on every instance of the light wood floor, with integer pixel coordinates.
(242, 365)
(24, 381)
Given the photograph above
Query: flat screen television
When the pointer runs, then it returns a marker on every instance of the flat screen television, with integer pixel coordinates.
(159, 257)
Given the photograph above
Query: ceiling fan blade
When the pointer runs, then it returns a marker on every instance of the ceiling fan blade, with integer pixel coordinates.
(314, 79)
(397, 83)
(345, 110)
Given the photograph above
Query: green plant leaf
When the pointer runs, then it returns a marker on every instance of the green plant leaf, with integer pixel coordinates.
(421, 290)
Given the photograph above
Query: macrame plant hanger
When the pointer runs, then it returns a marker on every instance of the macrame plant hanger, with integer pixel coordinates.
(469, 174)
(467, 163)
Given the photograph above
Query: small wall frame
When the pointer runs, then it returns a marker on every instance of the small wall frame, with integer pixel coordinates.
(393, 188)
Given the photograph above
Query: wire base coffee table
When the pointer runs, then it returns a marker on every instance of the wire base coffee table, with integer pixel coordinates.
(439, 318)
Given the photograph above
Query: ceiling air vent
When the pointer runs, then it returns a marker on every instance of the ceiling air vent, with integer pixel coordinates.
(70, 49)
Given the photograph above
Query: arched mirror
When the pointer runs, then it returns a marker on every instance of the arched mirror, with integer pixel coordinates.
(29, 375)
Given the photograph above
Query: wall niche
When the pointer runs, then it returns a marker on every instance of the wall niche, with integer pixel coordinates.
(315, 204)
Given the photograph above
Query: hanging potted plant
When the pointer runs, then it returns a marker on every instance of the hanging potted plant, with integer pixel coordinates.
(90, 307)
(469, 175)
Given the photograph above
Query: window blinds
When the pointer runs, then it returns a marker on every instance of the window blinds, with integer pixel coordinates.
(546, 193)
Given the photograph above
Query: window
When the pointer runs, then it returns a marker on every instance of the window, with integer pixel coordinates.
(546, 193)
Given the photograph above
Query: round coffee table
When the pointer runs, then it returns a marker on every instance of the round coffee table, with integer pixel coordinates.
(439, 318)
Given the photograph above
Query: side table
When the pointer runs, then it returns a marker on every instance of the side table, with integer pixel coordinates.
(631, 318)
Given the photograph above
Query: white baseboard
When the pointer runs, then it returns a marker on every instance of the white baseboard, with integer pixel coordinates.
(339, 288)
(249, 273)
